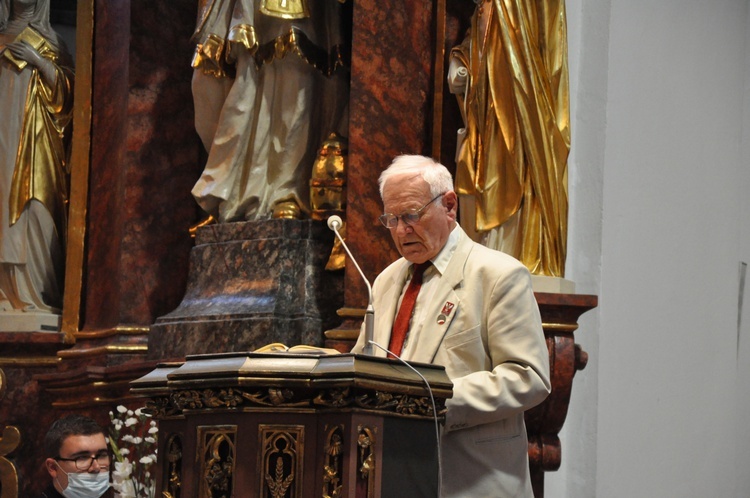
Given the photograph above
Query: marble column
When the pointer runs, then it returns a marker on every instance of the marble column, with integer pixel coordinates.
(390, 113)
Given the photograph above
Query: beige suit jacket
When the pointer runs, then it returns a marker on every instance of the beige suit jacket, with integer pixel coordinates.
(493, 348)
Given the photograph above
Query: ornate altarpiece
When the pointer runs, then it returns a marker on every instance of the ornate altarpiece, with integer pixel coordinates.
(135, 158)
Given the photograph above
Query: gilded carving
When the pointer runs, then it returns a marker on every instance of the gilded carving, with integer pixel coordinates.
(161, 407)
(8, 474)
(173, 482)
(366, 441)
(218, 456)
(399, 403)
(281, 456)
(333, 466)
(334, 398)
(232, 398)
(8, 443)
(207, 399)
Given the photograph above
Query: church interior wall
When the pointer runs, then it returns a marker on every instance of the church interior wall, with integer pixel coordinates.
(659, 227)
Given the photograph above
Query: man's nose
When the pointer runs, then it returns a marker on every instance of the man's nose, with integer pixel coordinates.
(95, 468)
(403, 228)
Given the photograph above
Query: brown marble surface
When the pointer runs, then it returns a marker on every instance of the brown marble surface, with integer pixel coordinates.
(390, 106)
(251, 284)
(145, 158)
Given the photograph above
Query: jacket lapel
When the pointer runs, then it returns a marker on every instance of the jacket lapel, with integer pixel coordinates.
(444, 305)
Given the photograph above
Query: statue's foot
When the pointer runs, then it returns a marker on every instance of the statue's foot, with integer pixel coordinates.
(208, 221)
(288, 210)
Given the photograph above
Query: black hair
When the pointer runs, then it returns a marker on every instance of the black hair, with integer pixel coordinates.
(70, 425)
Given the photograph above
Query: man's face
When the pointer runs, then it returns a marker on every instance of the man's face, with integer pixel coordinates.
(423, 240)
(74, 447)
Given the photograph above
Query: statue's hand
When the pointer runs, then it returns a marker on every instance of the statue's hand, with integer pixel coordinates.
(457, 77)
(25, 52)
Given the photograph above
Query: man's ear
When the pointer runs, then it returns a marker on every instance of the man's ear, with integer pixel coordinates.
(450, 201)
(51, 465)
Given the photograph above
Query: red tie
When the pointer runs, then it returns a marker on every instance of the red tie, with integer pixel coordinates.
(401, 324)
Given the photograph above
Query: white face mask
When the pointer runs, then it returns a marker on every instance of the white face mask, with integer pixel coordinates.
(86, 485)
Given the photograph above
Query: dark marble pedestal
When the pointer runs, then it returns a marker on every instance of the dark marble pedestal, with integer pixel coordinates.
(251, 284)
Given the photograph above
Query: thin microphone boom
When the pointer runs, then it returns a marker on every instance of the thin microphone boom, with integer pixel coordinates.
(434, 407)
(334, 223)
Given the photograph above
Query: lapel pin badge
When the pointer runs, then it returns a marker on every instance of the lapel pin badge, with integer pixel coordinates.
(441, 319)
(447, 308)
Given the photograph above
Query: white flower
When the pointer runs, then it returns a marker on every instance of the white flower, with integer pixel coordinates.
(125, 489)
(123, 469)
(133, 438)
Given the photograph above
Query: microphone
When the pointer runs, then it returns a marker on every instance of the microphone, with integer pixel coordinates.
(334, 223)
(434, 407)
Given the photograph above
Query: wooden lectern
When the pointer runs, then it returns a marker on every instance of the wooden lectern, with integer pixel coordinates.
(295, 425)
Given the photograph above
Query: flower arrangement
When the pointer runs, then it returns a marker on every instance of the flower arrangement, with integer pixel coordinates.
(132, 438)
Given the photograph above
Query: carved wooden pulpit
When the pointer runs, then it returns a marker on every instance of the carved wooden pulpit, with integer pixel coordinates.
(299, 425)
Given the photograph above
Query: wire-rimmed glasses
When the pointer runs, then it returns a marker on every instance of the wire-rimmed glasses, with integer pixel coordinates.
(409, 217)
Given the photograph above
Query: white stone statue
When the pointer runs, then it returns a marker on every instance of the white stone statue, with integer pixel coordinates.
(268, 88)
(36, 99)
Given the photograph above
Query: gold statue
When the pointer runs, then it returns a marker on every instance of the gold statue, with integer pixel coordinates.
(328, 183)
(510, 76)
(36, 79)
(328, 191)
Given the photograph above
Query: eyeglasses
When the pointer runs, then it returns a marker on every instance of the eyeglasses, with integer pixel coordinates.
(84, 462)
(409, 217)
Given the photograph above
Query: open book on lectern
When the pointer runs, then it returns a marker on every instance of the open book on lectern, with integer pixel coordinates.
(277, 347)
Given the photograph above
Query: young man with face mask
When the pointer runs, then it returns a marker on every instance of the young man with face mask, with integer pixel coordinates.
(78, 459)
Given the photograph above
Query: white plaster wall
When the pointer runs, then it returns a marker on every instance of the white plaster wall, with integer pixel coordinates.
(659, 222)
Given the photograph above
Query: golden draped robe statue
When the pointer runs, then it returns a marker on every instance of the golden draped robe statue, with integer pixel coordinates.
(512, 155)
(37, 107)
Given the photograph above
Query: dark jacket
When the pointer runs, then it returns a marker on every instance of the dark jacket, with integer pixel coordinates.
(50, 492)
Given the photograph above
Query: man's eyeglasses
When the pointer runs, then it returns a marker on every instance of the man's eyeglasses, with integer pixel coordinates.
(409, 217)
(84, 462)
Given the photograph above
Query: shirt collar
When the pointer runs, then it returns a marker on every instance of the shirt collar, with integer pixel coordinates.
(440, 262)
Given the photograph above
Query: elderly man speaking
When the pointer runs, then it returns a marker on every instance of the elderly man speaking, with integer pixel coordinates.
(453, 302)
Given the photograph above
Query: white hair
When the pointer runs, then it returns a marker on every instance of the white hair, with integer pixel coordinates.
(433, 173)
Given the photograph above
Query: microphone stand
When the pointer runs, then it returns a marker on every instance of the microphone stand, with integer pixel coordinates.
(334, 223)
